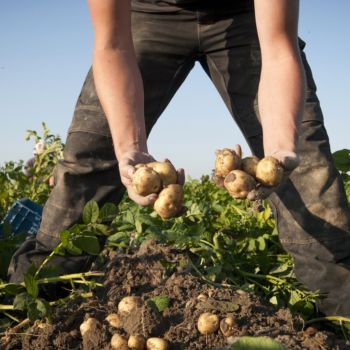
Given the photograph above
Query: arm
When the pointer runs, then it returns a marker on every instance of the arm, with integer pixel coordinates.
(119, 86)
(282, 82)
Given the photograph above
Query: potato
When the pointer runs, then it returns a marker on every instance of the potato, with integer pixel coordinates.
(227, 326)
(114, 320)
(249, 165)
(119, 342)
(146, 181)
(269, 172)
(136, 342)
(169, 202)
(226, 161)
(208, 323)
(128, 304)
(239, 184)
(166, 171)
(157, 344)
(87, 325)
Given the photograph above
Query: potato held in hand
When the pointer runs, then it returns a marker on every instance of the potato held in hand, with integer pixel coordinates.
(239, 184)
(226, 161)
(166, 171)
(146, 181)
(169, 202)
(269, 172)
(249, 165)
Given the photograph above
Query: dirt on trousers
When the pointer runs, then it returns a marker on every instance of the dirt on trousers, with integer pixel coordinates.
(158, 270)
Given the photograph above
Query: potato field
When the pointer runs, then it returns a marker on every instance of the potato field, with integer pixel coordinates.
(211, 276)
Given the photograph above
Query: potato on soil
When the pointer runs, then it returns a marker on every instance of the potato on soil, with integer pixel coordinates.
(269, 172)
(169, 202)
(208, 323)
(136, 342)
(226, 161)
(87, 325)
(157, 344)
(166, 171)
(249, 165)
(146, 181)
(239, 184)
(118, 342)
(128, 304)
(114, 320)
(228, 325)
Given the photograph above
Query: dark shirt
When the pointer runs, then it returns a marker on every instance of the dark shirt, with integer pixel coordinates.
(211, 6)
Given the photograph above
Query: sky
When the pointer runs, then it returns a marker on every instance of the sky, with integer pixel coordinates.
(45, 52)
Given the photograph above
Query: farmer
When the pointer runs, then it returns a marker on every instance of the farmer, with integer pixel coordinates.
(251, 52)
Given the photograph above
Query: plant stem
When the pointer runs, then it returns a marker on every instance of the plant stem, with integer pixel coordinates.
(328, 318)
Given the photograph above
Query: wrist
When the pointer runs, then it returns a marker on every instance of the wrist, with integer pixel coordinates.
(121, 150)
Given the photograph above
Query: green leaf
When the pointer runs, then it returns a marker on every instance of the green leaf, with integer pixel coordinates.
(31, 285)
(256, 343)
(118, 236)
(89, 244)
(90, 212)
(21, 301)
(342, 160)
(108, 212)
(65, 236)
(38, 309)
(12, 289)
(138, 226)
(159, 303)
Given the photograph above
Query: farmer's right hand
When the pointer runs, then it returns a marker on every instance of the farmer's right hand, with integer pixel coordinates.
(127, 168)
(127, 164)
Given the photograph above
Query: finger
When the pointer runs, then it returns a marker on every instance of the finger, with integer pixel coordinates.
(260, 193)
(238, 150)
(180, 176)
(219, 181)
(127, 171)
(144, 201)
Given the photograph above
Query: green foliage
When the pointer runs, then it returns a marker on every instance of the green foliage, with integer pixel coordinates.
(15, 185)
(159, 303)
(256, 343)
(342, 162)
(227, 241)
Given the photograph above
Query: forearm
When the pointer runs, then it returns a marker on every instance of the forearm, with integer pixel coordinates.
(119, 87)
(281, 101)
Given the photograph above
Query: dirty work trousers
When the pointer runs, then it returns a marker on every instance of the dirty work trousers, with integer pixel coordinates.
(311, 209)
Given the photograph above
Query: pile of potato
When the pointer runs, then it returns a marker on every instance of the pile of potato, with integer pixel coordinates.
(160, 178)
(133, 341)
(240, 176)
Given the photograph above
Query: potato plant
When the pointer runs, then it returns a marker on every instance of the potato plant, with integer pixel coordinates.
(229, 241)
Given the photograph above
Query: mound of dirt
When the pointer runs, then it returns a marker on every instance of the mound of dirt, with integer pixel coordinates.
(159, 271)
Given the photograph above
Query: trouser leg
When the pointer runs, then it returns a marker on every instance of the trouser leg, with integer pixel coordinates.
(89, 169)
(311, 209)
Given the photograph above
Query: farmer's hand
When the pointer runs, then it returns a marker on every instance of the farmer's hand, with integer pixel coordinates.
(127, 168)
(289, 161)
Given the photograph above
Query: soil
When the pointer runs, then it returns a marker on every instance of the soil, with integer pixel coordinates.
(146, 274)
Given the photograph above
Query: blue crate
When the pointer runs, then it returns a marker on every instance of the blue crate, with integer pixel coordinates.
(24, 217)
